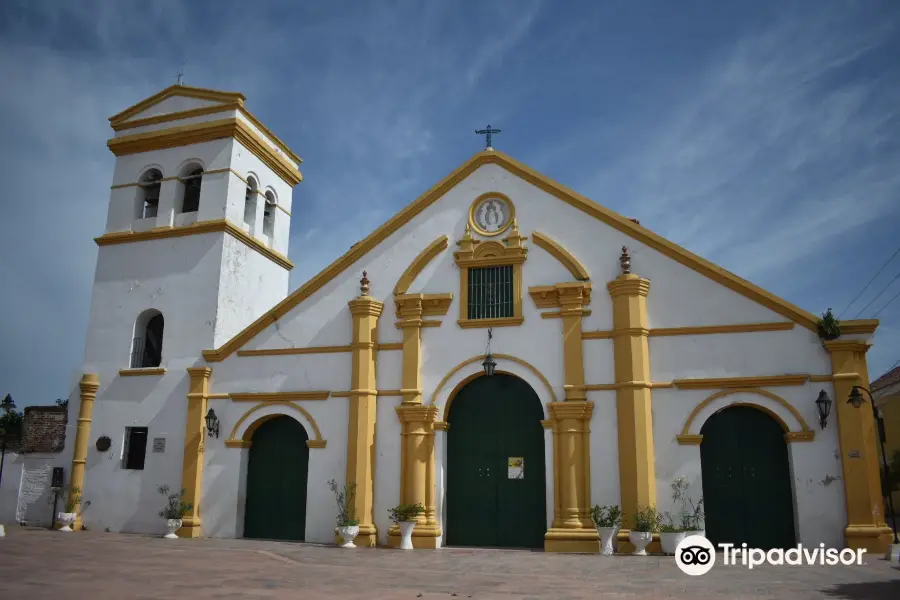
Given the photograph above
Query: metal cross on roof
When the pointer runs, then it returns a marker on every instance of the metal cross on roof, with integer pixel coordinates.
(487, 132)
(180, 77)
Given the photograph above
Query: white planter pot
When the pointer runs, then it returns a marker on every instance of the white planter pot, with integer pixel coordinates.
(348, 533)
(66, 519)
(172, 525)
(700, 532)
(669, 541)
(640, 539)
(406, 529)
(607, 540)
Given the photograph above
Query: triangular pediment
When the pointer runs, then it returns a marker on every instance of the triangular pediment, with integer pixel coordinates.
(177, 100)
(612, 219)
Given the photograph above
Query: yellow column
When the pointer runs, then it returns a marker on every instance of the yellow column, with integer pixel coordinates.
(194, 434)
(365, 311)
(417, 426)
(89, 385)
(572, 530)
(858, 434)
(637, 476)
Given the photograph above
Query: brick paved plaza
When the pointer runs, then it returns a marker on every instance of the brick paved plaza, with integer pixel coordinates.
(38, 564)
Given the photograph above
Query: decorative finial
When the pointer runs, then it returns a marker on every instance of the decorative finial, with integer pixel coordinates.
(364, 284)
(625, 261)
(489, 132)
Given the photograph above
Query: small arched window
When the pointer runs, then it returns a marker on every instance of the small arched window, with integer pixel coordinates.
(146, 347)
(250, 203)
(150, 185)
(269, 215)
(191, 182)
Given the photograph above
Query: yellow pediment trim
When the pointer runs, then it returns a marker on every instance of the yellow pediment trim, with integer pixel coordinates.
(184, 91)
(494, 157)
(561, 254)
(419, 263)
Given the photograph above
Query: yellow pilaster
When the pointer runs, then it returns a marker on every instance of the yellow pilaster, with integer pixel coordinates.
(572, 530)
(365, 311)
(417, 421)
(858, 434)
(89, 385)
(194, 434)
(637, 473)
(417, 472)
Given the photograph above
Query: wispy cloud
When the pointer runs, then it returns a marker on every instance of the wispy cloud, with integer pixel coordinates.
(764, 144)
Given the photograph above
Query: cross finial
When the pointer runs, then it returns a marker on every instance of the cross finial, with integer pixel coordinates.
(625, 261)
(364, 284)
(180, 78)
(488, 132)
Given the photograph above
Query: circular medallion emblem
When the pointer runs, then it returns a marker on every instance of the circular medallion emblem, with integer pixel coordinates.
(491, 214)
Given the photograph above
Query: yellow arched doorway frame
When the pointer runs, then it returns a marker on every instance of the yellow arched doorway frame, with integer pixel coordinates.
(245, 440)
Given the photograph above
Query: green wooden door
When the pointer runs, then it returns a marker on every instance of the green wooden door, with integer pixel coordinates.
(746, 480)
(494, 419)
(276, 481)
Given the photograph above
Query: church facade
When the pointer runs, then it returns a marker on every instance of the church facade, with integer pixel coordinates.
(620, 362)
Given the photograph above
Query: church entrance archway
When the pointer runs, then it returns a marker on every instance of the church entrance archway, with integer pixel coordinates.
(746, 480)
(493, 421)
(277, 471)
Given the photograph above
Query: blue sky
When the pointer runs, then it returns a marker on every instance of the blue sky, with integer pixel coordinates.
(764, 136)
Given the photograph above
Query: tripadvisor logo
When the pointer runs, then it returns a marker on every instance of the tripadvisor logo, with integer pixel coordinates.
(696, 555)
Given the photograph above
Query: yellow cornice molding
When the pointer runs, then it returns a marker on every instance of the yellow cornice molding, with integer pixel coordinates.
(176, 116)
(698, 330)
(846, 345)
(280, 396)
(294, 351)
(628, 285)
(316, 443)
(419, 263)
(366, 305)
(495, 157)
(184, 91)
(558, 252)
(497, 322)
(689, 440)
(740, 382)
(142, 371)
(183, 135)
(215, 226)
(416, 306)
(859, 326)
(805, 433)
(561, 295)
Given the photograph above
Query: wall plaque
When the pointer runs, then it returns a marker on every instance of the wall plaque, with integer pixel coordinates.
(515, 468)
(854, 454)
(103, 443)
(159, 444)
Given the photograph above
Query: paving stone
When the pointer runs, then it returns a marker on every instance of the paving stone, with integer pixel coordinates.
(37, 564)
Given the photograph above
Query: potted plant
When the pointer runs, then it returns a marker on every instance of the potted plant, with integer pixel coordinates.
(74, 505)
(404, 515)
(174, 511)
(671, 533)
(829, 326)
(607, 520)
(691, 514)
(347, 526)
(646, 523)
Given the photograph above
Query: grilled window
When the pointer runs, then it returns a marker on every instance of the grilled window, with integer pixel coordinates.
(490, 292)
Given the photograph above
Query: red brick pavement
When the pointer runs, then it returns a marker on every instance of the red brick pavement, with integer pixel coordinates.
(38, 564)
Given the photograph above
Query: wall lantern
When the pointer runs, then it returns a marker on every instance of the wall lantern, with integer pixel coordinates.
(823, 407)
(212, 423)
(856, 399)
(489, 363)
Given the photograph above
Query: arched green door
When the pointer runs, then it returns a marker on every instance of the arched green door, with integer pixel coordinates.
(492, 420)
(276, 481)
(746, 480)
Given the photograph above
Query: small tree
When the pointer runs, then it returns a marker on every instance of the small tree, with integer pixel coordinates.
(176, 507)
(344, 501)
(406, 512)
(829, 326)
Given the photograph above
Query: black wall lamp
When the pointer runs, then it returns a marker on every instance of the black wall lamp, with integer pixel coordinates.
(212, 423)
(489, 364)
(823, 407)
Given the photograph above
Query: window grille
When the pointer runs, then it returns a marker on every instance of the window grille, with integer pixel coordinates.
(491, 292)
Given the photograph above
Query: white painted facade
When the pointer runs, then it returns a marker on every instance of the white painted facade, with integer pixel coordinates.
(210, 286)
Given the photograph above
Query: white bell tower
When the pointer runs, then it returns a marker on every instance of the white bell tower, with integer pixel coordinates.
(196, 240)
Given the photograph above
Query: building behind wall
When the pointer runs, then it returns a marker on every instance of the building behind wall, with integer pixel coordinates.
(622, 361)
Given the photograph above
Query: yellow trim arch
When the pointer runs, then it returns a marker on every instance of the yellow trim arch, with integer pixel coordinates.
(419, 263)
(565, 257)
(244, 440)
(479, 358)
(686, 437)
